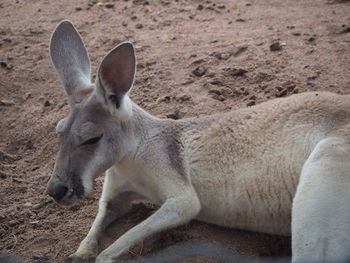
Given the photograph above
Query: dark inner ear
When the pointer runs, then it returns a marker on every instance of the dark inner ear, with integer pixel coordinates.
(115, 99)
(116, 73)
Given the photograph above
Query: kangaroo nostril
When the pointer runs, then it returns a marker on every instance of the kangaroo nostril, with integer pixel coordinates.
(58, 191)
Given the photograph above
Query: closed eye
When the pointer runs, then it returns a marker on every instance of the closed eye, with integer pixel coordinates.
(93, 140)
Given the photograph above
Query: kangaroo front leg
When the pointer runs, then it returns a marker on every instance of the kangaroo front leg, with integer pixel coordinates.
(175, 211)
(115, 201)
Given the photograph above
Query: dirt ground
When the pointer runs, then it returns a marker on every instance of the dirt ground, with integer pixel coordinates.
(194, 58)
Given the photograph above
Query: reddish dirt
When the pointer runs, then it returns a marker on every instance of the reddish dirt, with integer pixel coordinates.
(194, 58)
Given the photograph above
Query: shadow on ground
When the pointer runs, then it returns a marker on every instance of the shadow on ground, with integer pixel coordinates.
(175, 253)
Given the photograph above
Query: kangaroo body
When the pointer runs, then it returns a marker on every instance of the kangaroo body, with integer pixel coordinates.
(244, 165)
(281, 167)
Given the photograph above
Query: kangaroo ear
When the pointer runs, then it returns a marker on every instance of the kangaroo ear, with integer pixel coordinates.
(116, 77)
(70, 57)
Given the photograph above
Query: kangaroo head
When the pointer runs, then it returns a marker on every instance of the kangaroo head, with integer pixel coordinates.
(94, 135)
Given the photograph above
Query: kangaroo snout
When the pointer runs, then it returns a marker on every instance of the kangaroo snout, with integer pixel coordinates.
(57, 190)
(65, 188)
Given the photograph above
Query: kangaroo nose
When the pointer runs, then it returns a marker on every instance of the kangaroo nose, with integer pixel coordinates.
(57, 191)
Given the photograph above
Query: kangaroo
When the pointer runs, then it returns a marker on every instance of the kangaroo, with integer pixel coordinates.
(281, 167)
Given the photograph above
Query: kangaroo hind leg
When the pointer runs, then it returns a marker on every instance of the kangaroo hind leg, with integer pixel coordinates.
(321, 206)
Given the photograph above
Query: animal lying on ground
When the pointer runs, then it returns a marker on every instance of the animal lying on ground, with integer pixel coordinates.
(281, 167)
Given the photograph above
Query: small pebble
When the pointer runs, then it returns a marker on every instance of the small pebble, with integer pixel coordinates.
(282, 93)
(6, 65)
(27, 95)
(139, 26)
(238, 72)
(199, 71)
(28, 204)
(276, 46)
(163, 99)
(175, 116)
(4, 102)
(109, 5)
(251, 103)
(2, 176)
(183, 98)
(345, 30)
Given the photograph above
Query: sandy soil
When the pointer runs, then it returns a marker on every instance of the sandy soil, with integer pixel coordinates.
(194, 58)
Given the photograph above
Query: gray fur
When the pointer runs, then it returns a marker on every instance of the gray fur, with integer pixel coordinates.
(117, 72)
(70, 58)
(174, 148)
